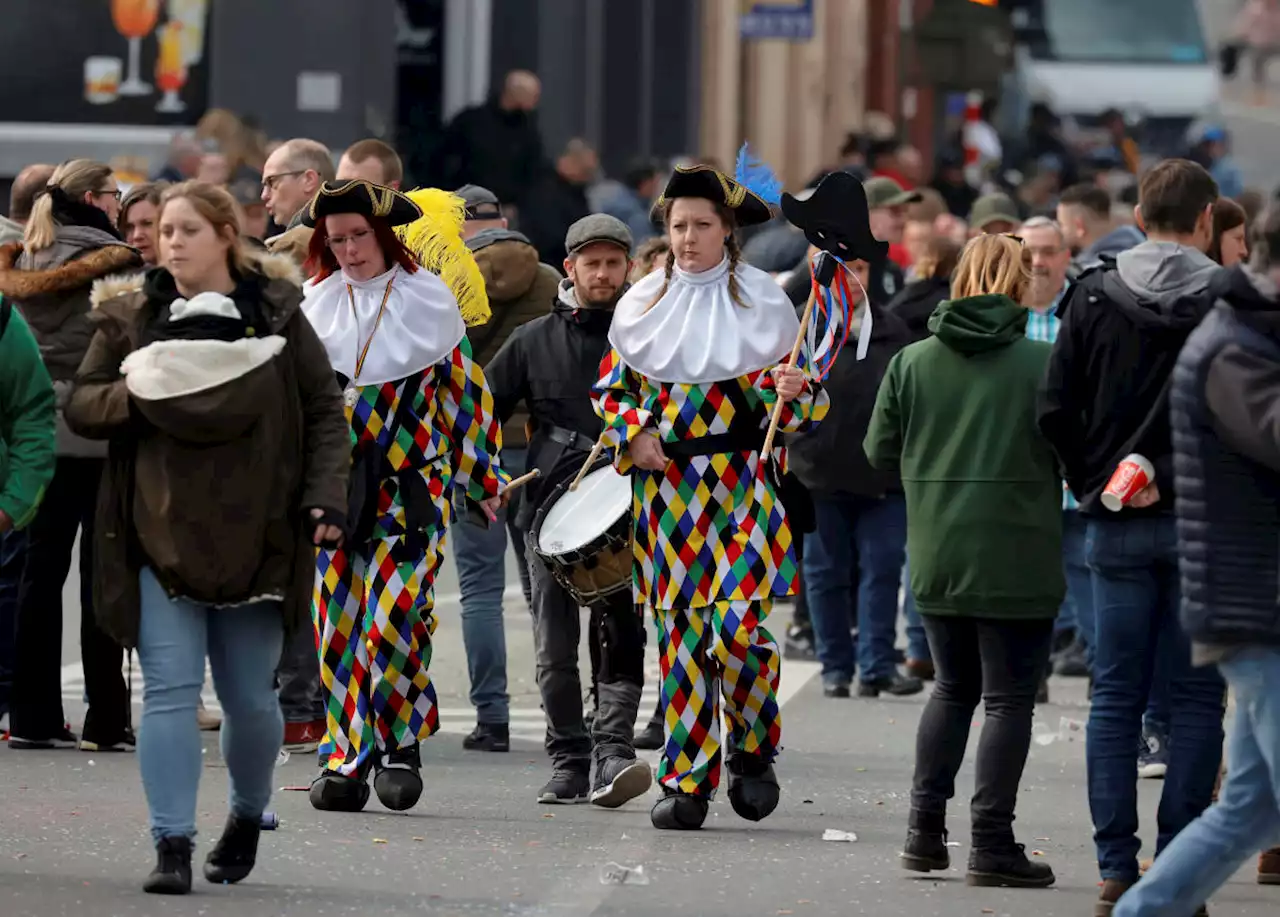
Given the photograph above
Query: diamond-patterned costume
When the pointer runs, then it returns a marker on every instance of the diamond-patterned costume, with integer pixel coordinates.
(373, 607)
(712, 546)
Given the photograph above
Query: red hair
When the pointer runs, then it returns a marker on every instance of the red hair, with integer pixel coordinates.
(321, 262)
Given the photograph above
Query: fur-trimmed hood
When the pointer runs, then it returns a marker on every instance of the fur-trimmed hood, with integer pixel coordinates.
(61, 279)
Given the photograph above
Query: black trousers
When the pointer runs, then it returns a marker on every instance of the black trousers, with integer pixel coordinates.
(998, 662)
(36, 706)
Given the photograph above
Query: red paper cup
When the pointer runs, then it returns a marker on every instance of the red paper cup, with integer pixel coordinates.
(1131, 475)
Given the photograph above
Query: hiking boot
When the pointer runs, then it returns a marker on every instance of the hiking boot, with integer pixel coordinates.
(897, 684)
(65, 738)
(126, 741)
(397, 778)
(753, 786)
(235, 853)
(650, 738)
(568, 786)
(835, 689)
(926, 846)
(304, 737)
(922, 669)
(1007, 866)
(619, 780)
(1269, 867)
(1153, 755)
(489, 737)
(679, 811)
(172, 875)
(335, 792)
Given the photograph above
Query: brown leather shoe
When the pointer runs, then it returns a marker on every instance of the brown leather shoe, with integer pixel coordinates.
(1112, 889)
(921, 669)
(1269, 867)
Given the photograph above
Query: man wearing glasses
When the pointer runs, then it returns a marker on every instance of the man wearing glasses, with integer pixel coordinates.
(291, 177)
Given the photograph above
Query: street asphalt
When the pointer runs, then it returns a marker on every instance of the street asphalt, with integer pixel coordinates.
(73, 837)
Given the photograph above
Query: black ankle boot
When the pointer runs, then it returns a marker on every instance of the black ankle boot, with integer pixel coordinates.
(235, 853)
(172, 875)
(398, 781)
(334, 792)
(926, 846)
(1007, 866)
(753, 786)
(679, 811)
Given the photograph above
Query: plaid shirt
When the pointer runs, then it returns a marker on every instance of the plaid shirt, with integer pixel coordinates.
(1042, 325)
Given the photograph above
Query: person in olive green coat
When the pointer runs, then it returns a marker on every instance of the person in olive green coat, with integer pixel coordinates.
(956, 415)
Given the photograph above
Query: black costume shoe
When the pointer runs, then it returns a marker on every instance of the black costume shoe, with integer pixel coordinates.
(679, 811)
(489, 737)
(753, 786)
(926, 847)
(651, 737)
(397, 779)
(236, 851)
(334, 792)
(620, 780)
(897, 684)
(172, 875)
(1007, 866)
(568, 786)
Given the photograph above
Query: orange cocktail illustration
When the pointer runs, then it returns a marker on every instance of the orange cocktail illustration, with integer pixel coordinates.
(171, 68)
(134, 19)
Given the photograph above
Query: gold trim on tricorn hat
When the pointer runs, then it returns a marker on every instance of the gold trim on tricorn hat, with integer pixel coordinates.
(748, 208)
(362, 197)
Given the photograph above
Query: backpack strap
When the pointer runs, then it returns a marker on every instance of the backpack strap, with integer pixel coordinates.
(6, 309)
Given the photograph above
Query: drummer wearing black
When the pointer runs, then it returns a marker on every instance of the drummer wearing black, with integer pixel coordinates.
(550, 364)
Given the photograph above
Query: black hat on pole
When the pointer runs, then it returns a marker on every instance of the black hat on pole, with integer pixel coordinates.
(835, 218)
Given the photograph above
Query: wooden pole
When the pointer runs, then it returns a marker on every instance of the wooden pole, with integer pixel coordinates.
(795, 355)
(591, 460)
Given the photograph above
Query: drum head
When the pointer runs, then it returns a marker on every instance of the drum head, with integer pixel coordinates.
(579, 517)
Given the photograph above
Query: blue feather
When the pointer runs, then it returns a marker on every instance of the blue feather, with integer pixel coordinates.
(757, 177)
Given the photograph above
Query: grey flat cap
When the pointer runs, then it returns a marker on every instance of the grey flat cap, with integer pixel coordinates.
(482, 204)
(598, 227)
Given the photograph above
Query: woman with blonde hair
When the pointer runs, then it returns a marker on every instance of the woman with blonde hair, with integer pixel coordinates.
(956, 413)
(206, 370)
(70, 242)
(915, 302)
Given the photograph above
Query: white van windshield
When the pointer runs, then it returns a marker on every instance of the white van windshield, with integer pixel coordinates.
(1112, 31)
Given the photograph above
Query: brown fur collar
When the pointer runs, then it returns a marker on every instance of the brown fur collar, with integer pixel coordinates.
(273, 267)
(67, 277)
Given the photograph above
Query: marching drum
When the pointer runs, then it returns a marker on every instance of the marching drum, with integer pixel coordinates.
(584, 536)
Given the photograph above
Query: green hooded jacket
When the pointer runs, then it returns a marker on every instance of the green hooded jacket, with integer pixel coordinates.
(26, 421)
(956, 414)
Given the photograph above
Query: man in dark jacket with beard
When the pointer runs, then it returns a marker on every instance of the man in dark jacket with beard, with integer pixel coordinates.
(860, 538)
(1226, 434)
(1106, 396)
(550, 364)
(520, 289)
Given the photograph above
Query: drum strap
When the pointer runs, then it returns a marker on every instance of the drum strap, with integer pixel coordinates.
(569, 438)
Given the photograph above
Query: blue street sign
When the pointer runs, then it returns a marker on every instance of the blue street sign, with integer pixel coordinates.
(790, 20)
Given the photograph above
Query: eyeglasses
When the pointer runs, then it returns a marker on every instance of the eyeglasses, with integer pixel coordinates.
(339, 242)
(113, 192)
(270, 182)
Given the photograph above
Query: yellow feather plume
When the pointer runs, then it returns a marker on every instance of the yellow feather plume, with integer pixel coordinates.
(435, 239)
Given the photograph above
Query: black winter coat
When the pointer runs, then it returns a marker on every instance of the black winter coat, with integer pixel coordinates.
(916, 302)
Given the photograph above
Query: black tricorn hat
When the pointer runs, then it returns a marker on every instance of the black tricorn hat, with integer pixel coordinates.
(835, 219)
(362, 197)
(748, 208)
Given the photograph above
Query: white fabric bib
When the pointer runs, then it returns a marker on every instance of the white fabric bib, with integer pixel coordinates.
(696, 333)
(420, 327)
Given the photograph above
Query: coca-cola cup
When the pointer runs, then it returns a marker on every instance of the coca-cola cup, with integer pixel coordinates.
(1132, 474)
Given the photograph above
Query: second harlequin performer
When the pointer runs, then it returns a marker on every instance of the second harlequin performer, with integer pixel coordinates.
(422, 422)
(698, 359)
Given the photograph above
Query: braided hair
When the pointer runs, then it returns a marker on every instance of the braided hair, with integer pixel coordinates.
(731, 247)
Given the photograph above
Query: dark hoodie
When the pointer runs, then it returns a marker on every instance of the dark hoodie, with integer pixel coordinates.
(916, 302)
(1106, 393)
(956, 415)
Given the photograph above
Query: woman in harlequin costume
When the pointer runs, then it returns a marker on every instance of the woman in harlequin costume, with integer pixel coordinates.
(698, 359)
(422, 421)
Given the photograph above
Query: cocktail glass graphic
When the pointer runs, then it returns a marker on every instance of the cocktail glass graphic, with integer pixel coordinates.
(171, 69)
(134, 20)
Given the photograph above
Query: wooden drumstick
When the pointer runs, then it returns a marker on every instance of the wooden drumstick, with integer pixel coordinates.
(522, 480)
(591, 460)
(795, 355)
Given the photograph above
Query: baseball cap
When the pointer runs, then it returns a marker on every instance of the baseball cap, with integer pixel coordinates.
(482, 204)
(992, 207)
(883, 191)
(598, 227)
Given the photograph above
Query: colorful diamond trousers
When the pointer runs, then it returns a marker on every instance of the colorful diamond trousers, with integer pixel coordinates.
(720, 649)
(374, 621)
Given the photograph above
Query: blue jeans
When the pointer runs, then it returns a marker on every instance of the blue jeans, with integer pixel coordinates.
(1136, 595)
(866, 538)
(1077, 607)
(917, 639)
(481, 556)
(13, 560)
(1246, 817)
(243, 645)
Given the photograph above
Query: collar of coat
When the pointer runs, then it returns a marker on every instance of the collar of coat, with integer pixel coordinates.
(22, 285)
(120, 298)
